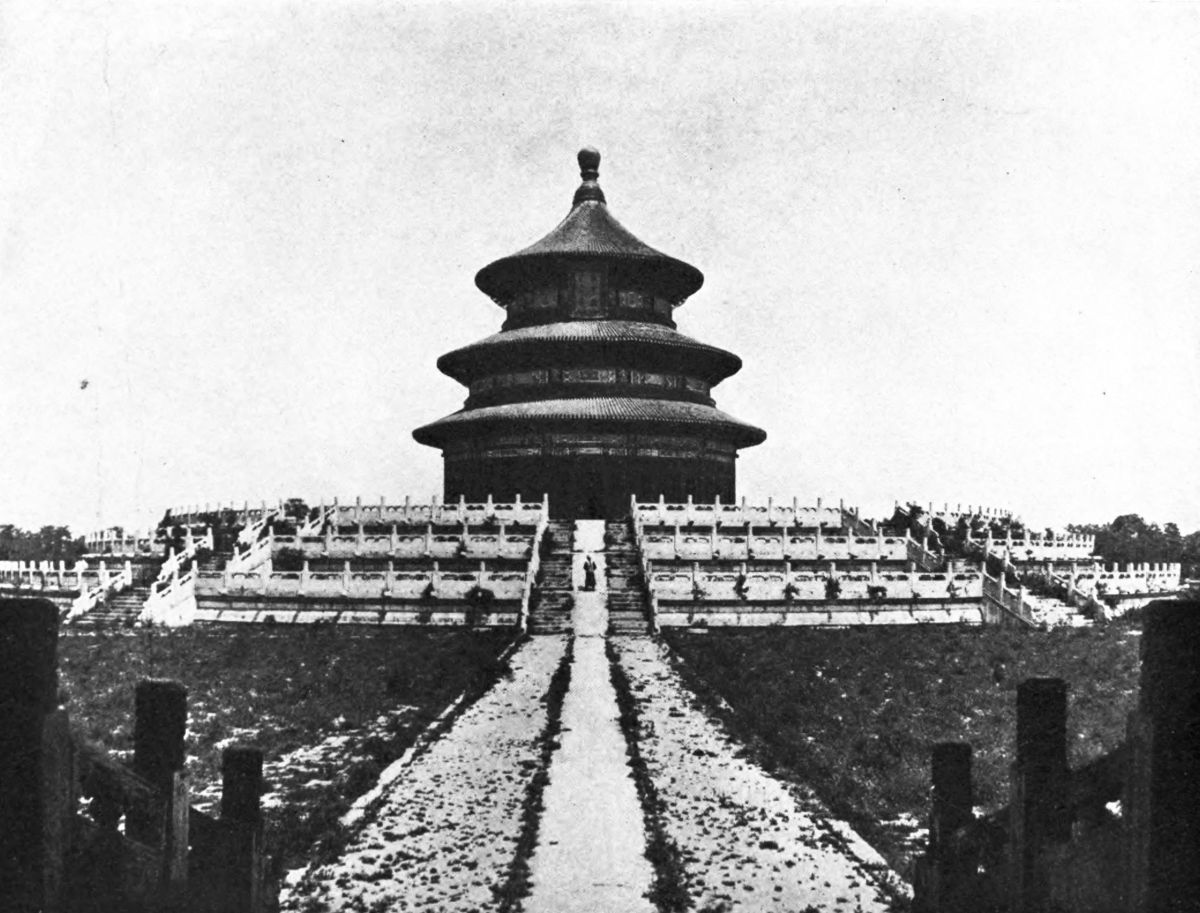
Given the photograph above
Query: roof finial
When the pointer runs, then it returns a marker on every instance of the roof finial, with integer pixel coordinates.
(589, 170)
(589, 163)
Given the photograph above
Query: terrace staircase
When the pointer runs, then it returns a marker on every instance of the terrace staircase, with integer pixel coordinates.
(120, 610)
(627, 612)
(550, 609)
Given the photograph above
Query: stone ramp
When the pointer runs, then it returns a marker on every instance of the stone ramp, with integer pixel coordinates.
(590, 856)
(444, 834)
(746, 840)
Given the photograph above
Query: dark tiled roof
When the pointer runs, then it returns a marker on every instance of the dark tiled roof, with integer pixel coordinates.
(590, 230)
(710, 360)
(591, 409)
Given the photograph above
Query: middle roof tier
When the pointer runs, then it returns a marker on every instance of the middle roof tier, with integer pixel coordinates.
(576, 342)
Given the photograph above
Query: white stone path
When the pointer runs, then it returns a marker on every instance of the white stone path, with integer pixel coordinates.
(590, 856)
(445, 832)
(748, 842)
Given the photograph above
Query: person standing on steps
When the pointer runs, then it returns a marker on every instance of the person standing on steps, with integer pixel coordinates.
(589, 573)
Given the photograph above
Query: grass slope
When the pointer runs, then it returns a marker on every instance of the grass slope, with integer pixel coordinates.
(853, 713)
(281, 690)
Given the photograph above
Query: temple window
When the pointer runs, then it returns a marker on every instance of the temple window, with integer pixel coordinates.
(633, 301)
(587, 299)
(589, 375)
(545, 298)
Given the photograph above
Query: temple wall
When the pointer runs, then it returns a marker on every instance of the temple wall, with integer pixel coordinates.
(589, 292)
(591, 485)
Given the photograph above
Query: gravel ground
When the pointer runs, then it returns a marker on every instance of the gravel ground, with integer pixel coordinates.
(445, 832)
(747, 841)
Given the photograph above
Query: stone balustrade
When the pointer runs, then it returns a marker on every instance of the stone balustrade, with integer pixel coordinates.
(699, 585)
(86, 585)
(46, 575)
(662, 513)
(689, 544)
(350, 584)
(408, 513)
(1116, 580)
(457, 513)
(119, 542)
(950, 515)
(407, 542)
(1032, 547)
(204, 513)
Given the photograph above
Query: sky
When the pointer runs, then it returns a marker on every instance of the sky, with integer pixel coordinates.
(956, 248)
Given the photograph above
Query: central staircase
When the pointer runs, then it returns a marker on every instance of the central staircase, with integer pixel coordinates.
(626, 596)
(550, 607)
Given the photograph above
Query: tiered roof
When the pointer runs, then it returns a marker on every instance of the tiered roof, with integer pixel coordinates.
(590, 230)
(590, 234)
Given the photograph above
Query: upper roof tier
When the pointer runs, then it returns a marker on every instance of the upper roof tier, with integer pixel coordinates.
(589, 232)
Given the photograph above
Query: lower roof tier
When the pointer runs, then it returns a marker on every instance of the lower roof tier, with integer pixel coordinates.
(591, 413)
(579, 341)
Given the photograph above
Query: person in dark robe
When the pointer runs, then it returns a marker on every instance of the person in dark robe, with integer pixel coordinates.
(589, 574)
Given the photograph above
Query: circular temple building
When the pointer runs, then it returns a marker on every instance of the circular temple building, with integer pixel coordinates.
(588, 393)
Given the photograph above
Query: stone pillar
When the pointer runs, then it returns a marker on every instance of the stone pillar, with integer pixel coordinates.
(951, 810)
(1162, 799)
(159, 730)
(241, 787)
(35, 785)
(1039, 805)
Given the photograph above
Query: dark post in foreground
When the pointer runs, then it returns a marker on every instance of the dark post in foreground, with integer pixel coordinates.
(1040, 812)
(1119, 833)
(31, 834)
(948, 874)
(241, 791)
(159, 752)
(1163, 785)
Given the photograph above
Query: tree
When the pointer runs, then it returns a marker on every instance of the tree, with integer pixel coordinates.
(1130, 539)
(50, 543)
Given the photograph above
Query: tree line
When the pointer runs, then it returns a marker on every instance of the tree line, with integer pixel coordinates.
(1129, 538)
(50, 543)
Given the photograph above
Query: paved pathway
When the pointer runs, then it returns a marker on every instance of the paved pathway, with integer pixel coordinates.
(748, 841)
(446, 830)
(591, 843)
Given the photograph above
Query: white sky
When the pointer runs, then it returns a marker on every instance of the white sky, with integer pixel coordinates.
(957, 250)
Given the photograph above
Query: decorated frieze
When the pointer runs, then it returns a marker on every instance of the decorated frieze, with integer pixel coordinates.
(589, 442)
(587, 294)
(607, 376)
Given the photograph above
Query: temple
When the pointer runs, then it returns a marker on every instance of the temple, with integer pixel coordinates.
(588, 394)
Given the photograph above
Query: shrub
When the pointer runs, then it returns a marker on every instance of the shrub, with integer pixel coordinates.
(288, 560)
